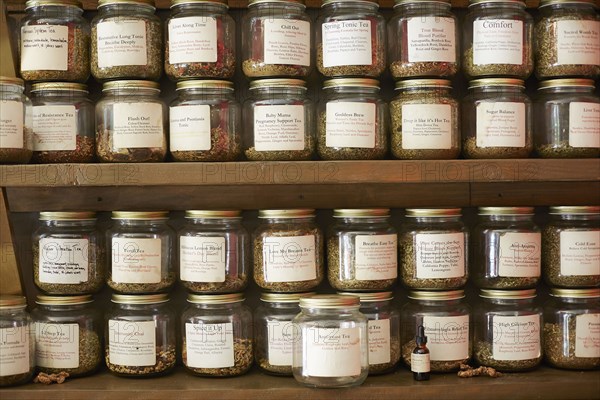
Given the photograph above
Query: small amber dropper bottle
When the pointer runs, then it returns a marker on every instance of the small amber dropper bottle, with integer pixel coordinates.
(419, 359)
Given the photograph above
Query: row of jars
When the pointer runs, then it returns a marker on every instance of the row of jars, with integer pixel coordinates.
(278, 122)
(125, 40)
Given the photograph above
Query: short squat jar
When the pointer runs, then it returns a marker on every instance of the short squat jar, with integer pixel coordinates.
(141, 247)
(17, 342)
(507, 249)
(214, 252)
(362, 250)
(217, 335)
(497, 118)
(15, 122)
(332, 349)
(68, 335)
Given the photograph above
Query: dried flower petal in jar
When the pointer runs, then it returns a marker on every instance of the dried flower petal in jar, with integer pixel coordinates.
(17, 342)
(16, 135)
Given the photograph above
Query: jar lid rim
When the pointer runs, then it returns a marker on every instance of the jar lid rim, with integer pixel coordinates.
(327, 2)
(63, 300)
(298, 2)
(369, 297)
(284, 297)
(64, 3)
(213, 214)
(204, 84)
(506, 211)
(215, 298)
(67, 216)
(287, 213)
(436, 295)
(329, 301)
(581, 210)
(423, 83)
(475, 2)
(277, 82)
(130, 84)
(12, 301)
(66, 86)
(140, 215)
(351, 82)
(434, 212)
(544, 3)
(140, 298)
(400, 2)
(148, 3)
(575, 293)
(361, 212)
(223, 3)
(10, 80)
(507, 294)
(566, 82)
(476, 83)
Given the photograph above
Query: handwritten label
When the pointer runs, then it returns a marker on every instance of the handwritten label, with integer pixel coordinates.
(63, 261)
(44, 47)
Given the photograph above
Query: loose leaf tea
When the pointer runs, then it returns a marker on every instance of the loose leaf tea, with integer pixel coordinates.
(90, 355)
(436, 365)
(484, 355)
(559, 346)
(165, 360)
(242, 355)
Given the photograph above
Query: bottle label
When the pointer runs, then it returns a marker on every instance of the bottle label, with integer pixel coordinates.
(14, 357)
(577, 42)
(516, 338)
(332, 352)
(190, 128)
(500, 124)
(580, 253)
(376, 257)
(289, 258)
(121, 42)
(202, 259)
(587, 336)
(440, 255)
(347, 43)
(520, 254)
(137, 125)
(136, 260)
(447, 337)
(55, 128)
(281, 336)
(584, 125)
(286, 41)
(420, 363)
(431, 39)
(11, 125)
(426, 126)
(379, 341)
(44, 47)
(209, 345)
(279, 128)
(497, 41)
(192, 39)
(56, 345)
(132, 343)
(350, 124)
(63, 261)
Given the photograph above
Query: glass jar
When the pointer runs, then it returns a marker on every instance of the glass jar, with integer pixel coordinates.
(508, 335)
(141, 247)
(425, 120)
(17, 342)
(126, 41)
(507, 249)
(214, 252)
(433, 247)
(331, 350)
(279, 121)
(68, 332)
(63, 123)
(68, 253)
(567, 33)
(277, 37)
(199, 40)
(217, 335)
(352, 121)
(447, 322)
(566, 119)
(572, 328)
(423, 39)
(288, 251)
(16, 125)
(571, 243)
(350, 39)
(140, 336)
(131, 123)
(362, 250)
(205, 122)
(497, 119)
(61, 23)
(498, 39)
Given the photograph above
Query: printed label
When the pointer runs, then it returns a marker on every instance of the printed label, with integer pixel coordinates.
(520, 254)
(347, 43)
(11, 125)
(420, 362)
(500, 124)
(56, 345)
(332, 351)
(516, 338)
(286, 41)
(440, 255)
(497, 41)
(431, 39)
(289, 258)
(584, 125)
(350, 124)
(192, 39)
(281, 336)
(44, 47)
(63, 261)
(447, 337)
(579, 253)
(202, 259)
(587, 335)
(137, 125)
(426, 126)
(279, 128)
(121, 42)
(379, 341)
(132, 343)
(14, 350)
(54, 128)
(209, 345)
(578, 42)
(190, 128)
(136, 260)
(376, 257)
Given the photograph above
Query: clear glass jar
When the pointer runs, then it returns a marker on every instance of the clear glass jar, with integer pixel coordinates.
(131, 123)
(68, 335)
(566, 34)
(288, 251)
(433, 246)
(497, 119)
(279, 121)
(17, 342)
(498, 39)
(423, 39)
(60, 22)
(352, 120)
(277, 38)
(140, 336)
(507, 249)
(572, 328)
(429, 100)
(508, 330)
(141, 247)
(63, 123)
(205, 122)
(332, 349)
(566, 119)
(214, 252)
(362, 250)
(68, 253)
(350, 39)
(571, 243)
(447, 322)
(216, 335)
(15, 122)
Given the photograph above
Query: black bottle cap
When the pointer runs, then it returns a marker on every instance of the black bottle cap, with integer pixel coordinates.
(421, 338)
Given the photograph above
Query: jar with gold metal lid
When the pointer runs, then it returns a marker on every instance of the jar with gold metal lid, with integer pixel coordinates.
(17, 342)
(16, 134)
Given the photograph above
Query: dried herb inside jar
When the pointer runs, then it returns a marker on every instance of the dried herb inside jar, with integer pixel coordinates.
(165, 360)
(436, 365)
(90, 355)
(107, 153)
(223, 68)
(17, 379)
(522, 70)
(375, 369)
(562, 149)
(84, 152)
(559, 346)
(282, 155)
(223, 147)
(402, 69)
(138, 288)
(231, 284)
(471, 150)
(20, 155)
(242, 356)
(484, 355)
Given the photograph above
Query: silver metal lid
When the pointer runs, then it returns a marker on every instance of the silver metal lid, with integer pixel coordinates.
(281, 2)
(519, 2)
(65, 3)
(327, 2)
(145, 3)
(544, 3)
(496, 82)
(130, 84)
(175, 3)
(423, 83)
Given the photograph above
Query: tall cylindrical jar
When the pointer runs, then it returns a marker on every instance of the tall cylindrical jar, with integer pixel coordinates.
(17, 342)
(15, 122)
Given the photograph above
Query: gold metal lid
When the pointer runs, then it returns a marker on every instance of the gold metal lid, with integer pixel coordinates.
(544, 3)
(63, 300)
(223, 3)
(298, 2)
(326, 2)
(9, 80)
(140, 215)
(215, 298)
(130, 84)
(284, 297)
(519, 2)
(400, 2)
(423, 83)
(571, 82)
(10, 301)
(65, 3)
(575, 293)
(330, 301)
(437, 295)
(433, 212)
(580, 210)
(361, 212)
(370, 297)
(212, 214)
(70, 86)
(506, 211)
(67, 216)
(140, 298)
(146, 3)
(350, 82)
(277, 82)
(507, 294)
(293, 213)
(496, 82)
(207, 84)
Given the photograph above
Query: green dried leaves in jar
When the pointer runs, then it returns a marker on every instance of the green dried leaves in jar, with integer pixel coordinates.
(15, 122)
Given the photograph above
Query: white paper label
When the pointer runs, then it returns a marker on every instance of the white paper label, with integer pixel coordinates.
(579, 253)
(121, 42)
(281, 336)
(426, 126)
(420, 362)
(350, 124)
(11, 125)
(431, 39)
(578, 42)
(132, 343)
(584, 125)
(14, 350)
(44, 47)
(347, 43)
(497, 41)
(500, 124)
(137, 125)
(56, 345)
(286, 41)
(447, 337)
(440, 255)
(63, 261)
(520, 254)
(209, 345)
(190, 128)
(289, 258)
(136, 260)
(192, 39)
(379, 341)
(332, 351)
(587, 335)
(376, 257)
(516, 338)
(54, 128)
(279, 128)
(202, 258)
